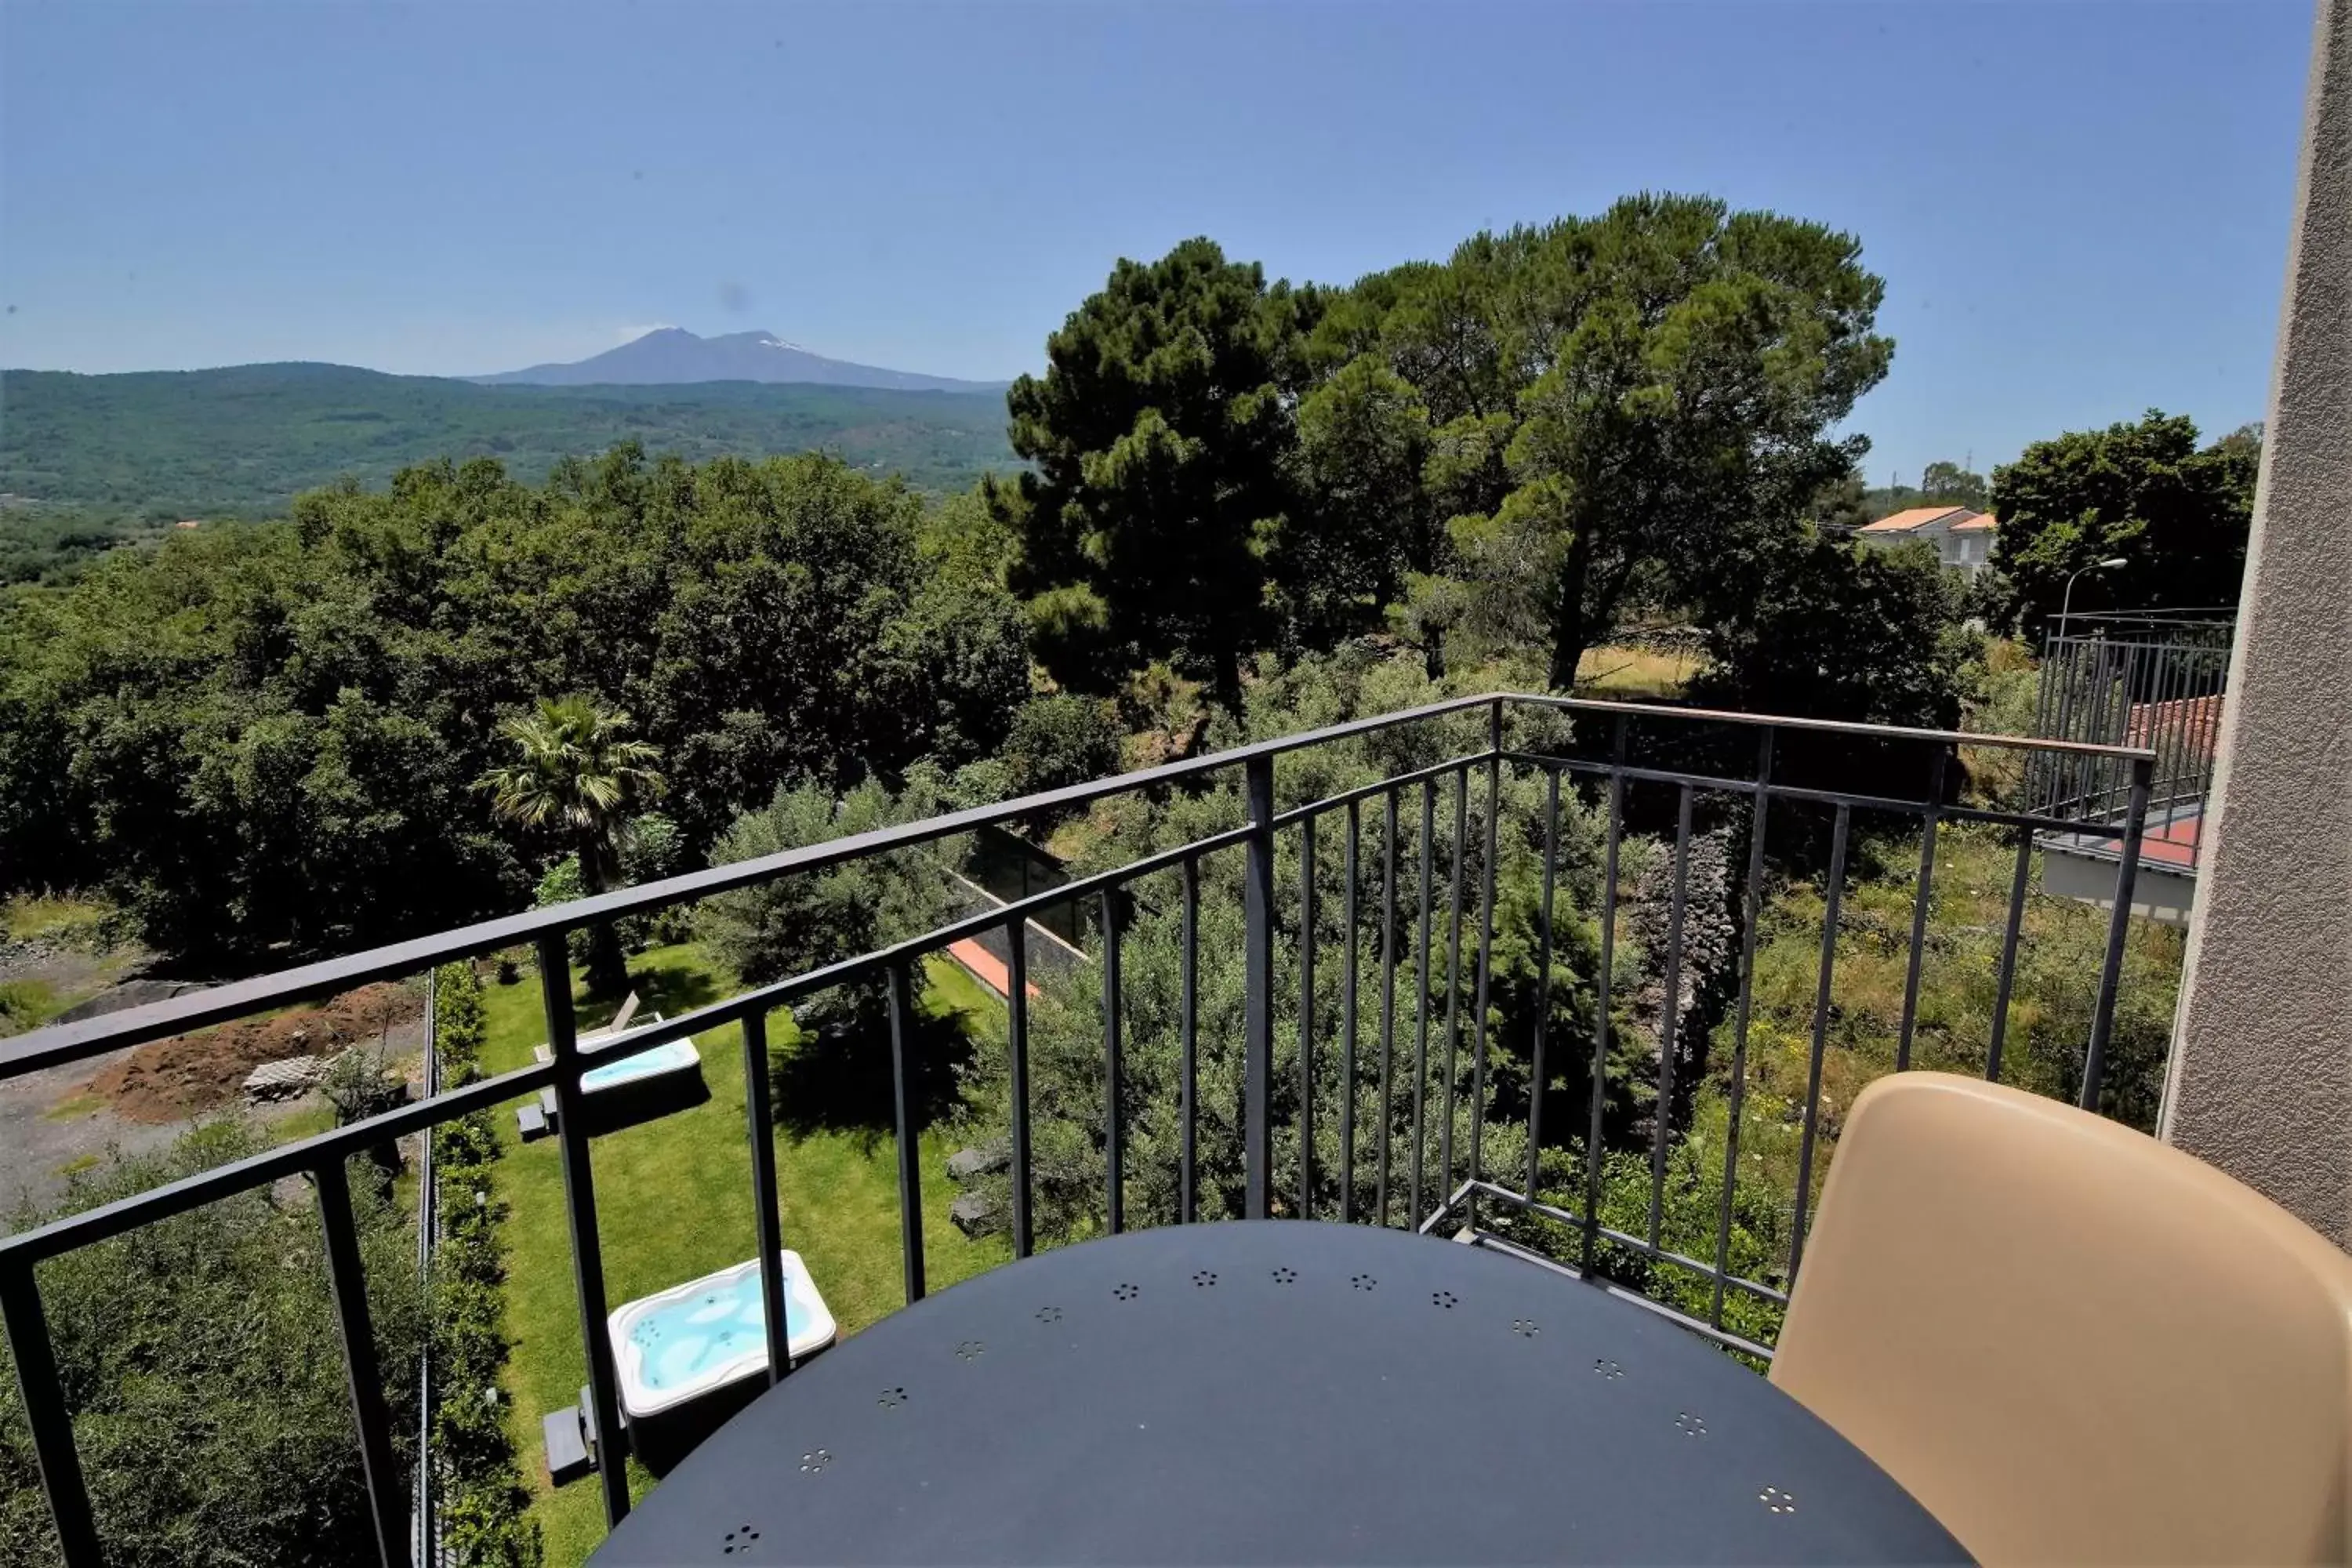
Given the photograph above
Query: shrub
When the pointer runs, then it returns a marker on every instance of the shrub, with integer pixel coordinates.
(204, 1366)
(483, 1510)
(1060, 741)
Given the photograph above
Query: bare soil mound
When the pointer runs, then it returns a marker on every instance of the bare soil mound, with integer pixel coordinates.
(169, 1080)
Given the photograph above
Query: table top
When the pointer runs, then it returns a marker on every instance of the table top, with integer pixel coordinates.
(1275, 1391)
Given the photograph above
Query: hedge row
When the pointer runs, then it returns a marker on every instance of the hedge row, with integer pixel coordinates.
(484, 1518)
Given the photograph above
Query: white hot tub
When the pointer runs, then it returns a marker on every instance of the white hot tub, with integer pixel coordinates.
(692, 1355)
(622, 1088)
(669, 1057)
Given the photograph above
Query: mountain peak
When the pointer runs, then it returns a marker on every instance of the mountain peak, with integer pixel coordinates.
(671, 355)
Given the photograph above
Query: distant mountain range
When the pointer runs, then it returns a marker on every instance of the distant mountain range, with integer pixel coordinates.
(672, 355)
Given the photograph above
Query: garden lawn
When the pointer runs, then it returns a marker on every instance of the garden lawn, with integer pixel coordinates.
(673, 1201)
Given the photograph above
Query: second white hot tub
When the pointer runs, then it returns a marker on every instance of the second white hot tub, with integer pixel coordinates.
(622, 1088)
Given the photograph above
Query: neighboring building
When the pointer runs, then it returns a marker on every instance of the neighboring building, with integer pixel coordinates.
(1962, 538)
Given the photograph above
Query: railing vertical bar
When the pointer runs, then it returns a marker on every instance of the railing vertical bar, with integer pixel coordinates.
(2016, 883)
(2133, 656)
(2171, 719)
(579, 1217)
(2113, 660)
(1421, 1009)
(1831, 897)
(1306, 1019)
(1536, 1070)
(1188, 1046)
(2065, 766)
(1919, 905)
(1114, 1070)
(2040, 775)
(2162, 694)
(909, 1131)
(423, 1533)
(2135, 666)
(1485, 954)
(2201, 733)
(347, 1278)
(1016, 1019)
(1453, 977)
(1347, 1027)
(1599, 1085)
(1388, 997)
(2111, 970)
(1257, 1026)
(43, 1393)
(1670, 1014)
(1752, 902)
(767, 1223)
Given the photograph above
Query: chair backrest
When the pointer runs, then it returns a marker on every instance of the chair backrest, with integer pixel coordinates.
(628, 1011)
(2070, 1342)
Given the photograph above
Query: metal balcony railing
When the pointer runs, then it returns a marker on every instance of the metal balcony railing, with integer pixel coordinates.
(1609, 768)
(2153, 678)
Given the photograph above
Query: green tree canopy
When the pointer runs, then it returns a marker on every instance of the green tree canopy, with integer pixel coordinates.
(1952, 484)
(577, 773)
(796, 924)
(1603, 406)
(1157, 433)
(2177, 513)
(264, 735)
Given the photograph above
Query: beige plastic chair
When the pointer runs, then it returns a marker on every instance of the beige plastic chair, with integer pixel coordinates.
(2070, 1342)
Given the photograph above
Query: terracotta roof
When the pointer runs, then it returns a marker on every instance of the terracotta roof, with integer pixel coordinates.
(1983, 522)
(2192, 723)
(1917, 517)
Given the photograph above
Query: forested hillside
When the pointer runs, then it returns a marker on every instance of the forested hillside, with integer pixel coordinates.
(266, 733)
(93, 459)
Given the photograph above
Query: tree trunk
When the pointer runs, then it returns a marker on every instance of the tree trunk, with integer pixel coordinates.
(1228, 677)
(1571, 629)
(608, 971)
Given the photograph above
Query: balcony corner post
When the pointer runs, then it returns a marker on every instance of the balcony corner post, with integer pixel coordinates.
(1257, 1026)
(579, 1216)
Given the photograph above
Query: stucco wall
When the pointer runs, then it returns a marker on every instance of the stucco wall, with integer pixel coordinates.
(2260, 1082)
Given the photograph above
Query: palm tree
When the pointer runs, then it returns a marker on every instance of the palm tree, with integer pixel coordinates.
(578, 772)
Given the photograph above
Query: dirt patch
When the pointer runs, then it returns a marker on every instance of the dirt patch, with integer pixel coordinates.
(171, 1079)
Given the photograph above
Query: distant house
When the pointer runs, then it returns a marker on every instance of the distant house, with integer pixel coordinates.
(1962, 538)
(188, 523)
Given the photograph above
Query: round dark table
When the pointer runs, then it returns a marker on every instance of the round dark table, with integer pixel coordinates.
(1275, 1391)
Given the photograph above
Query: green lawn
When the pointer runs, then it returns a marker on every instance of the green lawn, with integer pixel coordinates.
(673, 1201)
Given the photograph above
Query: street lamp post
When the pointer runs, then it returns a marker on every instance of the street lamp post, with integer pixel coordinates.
(2065, 608)
(2066, 604)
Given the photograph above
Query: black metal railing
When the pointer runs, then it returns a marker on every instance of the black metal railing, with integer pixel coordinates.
(2150, 679)
(1453, 1191)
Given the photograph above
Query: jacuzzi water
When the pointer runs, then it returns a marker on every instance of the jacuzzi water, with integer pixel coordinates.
(669, 1057)
(682, 1342)
(674, 1347)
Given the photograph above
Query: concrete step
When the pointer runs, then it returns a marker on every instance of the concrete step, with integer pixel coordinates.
(567, 1448)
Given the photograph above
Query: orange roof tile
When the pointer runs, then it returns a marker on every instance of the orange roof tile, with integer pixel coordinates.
(1905, 522)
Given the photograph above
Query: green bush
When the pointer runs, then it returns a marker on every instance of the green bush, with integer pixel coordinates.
(1060, 741)
(652, 847)
(202, 1363)
(484, 1504)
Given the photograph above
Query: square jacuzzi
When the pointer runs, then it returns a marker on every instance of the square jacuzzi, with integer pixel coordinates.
(624, 1087)
(690, 1357)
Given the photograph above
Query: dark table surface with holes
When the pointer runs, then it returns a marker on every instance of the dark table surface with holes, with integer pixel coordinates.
(1276, 1391)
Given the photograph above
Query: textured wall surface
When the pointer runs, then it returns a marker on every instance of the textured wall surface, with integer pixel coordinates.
(2260, 1082)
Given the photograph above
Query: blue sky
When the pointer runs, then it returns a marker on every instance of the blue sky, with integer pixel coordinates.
(2081, 209)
